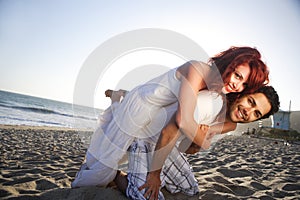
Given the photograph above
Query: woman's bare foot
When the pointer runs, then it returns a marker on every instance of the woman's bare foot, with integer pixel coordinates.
(115, 95)
(108, 93)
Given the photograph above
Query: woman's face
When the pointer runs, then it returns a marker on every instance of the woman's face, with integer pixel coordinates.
(238, 79)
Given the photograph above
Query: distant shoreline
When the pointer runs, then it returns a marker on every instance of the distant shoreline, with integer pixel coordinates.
(29, 127)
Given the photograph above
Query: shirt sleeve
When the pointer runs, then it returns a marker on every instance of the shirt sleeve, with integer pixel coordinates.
(209, 105)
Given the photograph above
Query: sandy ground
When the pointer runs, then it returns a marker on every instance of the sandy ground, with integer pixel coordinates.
(41, 162)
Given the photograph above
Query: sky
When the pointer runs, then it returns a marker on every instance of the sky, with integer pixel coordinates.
(44, 44)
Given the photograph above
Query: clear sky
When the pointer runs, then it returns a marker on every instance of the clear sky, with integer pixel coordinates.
(44, 43)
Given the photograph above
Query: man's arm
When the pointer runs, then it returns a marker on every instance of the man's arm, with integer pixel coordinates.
(164, 146)
(192, 81)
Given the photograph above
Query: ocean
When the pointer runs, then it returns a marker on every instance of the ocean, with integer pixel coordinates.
(19, 109)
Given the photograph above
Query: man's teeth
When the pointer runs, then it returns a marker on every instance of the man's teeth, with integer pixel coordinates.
(241, 115)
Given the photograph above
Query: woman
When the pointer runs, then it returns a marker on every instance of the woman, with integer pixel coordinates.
(239, 67)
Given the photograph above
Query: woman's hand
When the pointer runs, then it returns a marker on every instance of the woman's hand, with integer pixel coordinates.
(206, 133)
(189, 147)
(201, 135)
(152, 185)
(204, 128)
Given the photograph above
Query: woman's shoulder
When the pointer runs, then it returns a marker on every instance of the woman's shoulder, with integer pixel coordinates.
(197, 63)
(193, 65)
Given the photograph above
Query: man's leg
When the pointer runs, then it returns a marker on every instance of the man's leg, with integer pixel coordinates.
(139, 157)
(178, 175)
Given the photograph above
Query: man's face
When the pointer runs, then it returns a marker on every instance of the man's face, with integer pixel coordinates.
(249, 108)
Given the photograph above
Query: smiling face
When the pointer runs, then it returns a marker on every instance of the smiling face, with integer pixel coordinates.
(238, 79)
(249, 108)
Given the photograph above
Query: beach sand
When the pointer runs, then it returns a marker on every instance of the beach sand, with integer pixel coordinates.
(41, 162)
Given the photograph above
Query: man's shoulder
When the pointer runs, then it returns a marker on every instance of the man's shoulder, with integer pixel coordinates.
(207, 97)
(209, 104)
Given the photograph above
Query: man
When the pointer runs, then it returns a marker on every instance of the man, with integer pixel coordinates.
(145, 178)
(95, 172)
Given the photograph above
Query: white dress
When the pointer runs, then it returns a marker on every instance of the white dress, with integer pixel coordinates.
(135, 117)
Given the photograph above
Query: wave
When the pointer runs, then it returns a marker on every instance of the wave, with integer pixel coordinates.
(26, 121)
(45, 111)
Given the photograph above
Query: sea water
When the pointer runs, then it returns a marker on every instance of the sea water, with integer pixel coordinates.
(19, 109)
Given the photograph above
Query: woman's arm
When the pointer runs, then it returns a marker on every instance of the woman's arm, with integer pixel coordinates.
(215, 129)
(224, 127)
(192, 77)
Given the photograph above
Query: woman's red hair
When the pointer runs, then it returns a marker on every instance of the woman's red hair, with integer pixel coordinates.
(228, 60)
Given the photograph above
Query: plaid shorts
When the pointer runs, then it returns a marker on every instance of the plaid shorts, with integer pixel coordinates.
(176, 176)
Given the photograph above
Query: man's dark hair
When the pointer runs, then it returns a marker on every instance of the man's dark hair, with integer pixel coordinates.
(268, 91)
(272, 97)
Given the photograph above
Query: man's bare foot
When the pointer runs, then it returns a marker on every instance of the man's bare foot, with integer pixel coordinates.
(121, 181)
(112, 185)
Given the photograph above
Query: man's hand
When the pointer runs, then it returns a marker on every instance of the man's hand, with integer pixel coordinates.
(152, 185)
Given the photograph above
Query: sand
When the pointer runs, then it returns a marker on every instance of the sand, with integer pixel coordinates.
(41, 162)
